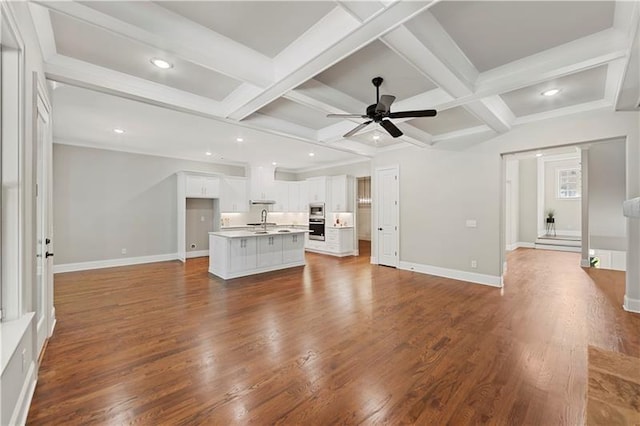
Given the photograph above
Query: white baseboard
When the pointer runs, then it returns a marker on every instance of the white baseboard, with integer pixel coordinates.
(374, 260)
(631, 305)
(110, 263)
(585, 263)
(472, 277)
(522, 244)
(198, 253)
(21, 410)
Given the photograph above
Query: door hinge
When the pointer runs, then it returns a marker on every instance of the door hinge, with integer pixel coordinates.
(396, 176)
(396, 228)
(1, 316)
(396, 253)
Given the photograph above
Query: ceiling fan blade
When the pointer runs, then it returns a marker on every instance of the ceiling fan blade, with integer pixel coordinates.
(385, 103)
(357, 129)
(346, 116)
(409, 114)
(391, 128)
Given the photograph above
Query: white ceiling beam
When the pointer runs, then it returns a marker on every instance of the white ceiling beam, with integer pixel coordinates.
(627, 21)
(281, 127)
(578, 55)
(494, 112)
(389, 18)
(73, 71)
(415, 136)
(160, 28)
(44, 30)
(321, 97)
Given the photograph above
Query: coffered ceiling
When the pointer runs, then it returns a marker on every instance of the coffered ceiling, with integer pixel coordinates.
(275, 69)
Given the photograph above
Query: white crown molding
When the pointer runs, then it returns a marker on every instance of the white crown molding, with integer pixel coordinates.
(560, 112)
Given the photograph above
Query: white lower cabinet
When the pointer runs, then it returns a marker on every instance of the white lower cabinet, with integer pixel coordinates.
(269, 251)
(338, 242)
(292, 248)
(234, 254)
(243, 254)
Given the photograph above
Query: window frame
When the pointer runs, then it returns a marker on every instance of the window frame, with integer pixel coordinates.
(560, 182)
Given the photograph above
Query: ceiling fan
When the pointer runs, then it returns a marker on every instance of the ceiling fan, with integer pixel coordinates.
(380, 112)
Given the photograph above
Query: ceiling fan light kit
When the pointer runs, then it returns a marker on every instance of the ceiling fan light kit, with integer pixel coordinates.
(380, 113)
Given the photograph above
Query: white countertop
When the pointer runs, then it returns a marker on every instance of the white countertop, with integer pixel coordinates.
(339, 227)
(245, 234)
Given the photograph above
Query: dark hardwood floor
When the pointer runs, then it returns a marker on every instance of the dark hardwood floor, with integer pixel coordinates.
(338, 341)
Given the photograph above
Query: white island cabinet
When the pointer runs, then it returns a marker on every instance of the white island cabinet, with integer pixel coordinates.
(234, 254)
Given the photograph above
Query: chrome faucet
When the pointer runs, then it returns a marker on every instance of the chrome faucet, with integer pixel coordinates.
(263, 216)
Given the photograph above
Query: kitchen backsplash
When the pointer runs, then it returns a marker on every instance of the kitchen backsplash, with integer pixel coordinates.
(253, 216)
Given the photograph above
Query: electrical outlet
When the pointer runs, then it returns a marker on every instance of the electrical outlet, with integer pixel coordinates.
(201, 218)
(474, 263)
(124, 251)
(193, 245)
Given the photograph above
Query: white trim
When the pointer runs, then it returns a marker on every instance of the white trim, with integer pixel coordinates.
(21, 410)
(373, 260)
(197, 253)
(522, 244)
(564, 233)
(256, 271)
(631, 305)
(332, 253)
(558, 248)
(472, 277)
(585, 263)
(110, 263)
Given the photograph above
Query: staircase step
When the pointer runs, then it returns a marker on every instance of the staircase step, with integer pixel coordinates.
(544, 246)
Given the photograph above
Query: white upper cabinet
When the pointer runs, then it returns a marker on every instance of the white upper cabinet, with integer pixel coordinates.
(233, 195)
(342, 193)
(317, 187)
(198, 186)
(262, 183)
(281, 196)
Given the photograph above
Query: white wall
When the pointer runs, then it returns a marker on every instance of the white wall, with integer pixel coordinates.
(440, 189)
(568, 212)
(528, 200)
(105, 201)
(359, 169)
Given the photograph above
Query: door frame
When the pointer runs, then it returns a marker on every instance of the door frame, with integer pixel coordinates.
(44, 329)
(376, 205)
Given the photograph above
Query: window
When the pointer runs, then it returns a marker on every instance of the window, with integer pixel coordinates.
(569, 183)
(364, 192)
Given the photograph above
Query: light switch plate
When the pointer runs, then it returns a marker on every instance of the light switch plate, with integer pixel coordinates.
(471, 223)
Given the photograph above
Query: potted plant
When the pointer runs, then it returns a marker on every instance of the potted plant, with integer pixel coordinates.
(551, 216)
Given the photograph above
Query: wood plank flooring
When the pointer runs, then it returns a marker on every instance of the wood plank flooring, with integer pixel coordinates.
(338, 341)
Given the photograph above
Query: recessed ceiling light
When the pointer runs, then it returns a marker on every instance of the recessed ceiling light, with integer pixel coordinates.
(551, 92)
(376, 137)
(161, 63)
(207, 153)
(239, 139)
(118, 131)
(311, 154)
(539, 154)
(274, 164)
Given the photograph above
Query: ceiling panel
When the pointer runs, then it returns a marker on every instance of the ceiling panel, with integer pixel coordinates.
(383, 141)
(87, 117)
(265, 26)
(353, 75)
(296, 113)
(449, 120)
(91, 44)
(494, 33)
(585, 86)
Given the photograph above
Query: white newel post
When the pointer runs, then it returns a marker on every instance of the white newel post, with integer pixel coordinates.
(631, 210)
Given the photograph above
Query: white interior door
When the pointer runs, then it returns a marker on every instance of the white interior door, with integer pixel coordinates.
(43, 300)
(387, 208)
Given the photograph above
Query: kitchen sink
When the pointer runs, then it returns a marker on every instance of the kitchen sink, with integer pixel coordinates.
(260, 232)
(283, 230)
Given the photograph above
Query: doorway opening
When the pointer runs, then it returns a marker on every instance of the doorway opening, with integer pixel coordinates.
(363, 212)
(568, 199)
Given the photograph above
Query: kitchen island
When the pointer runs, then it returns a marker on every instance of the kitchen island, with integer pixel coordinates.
(234, 254)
